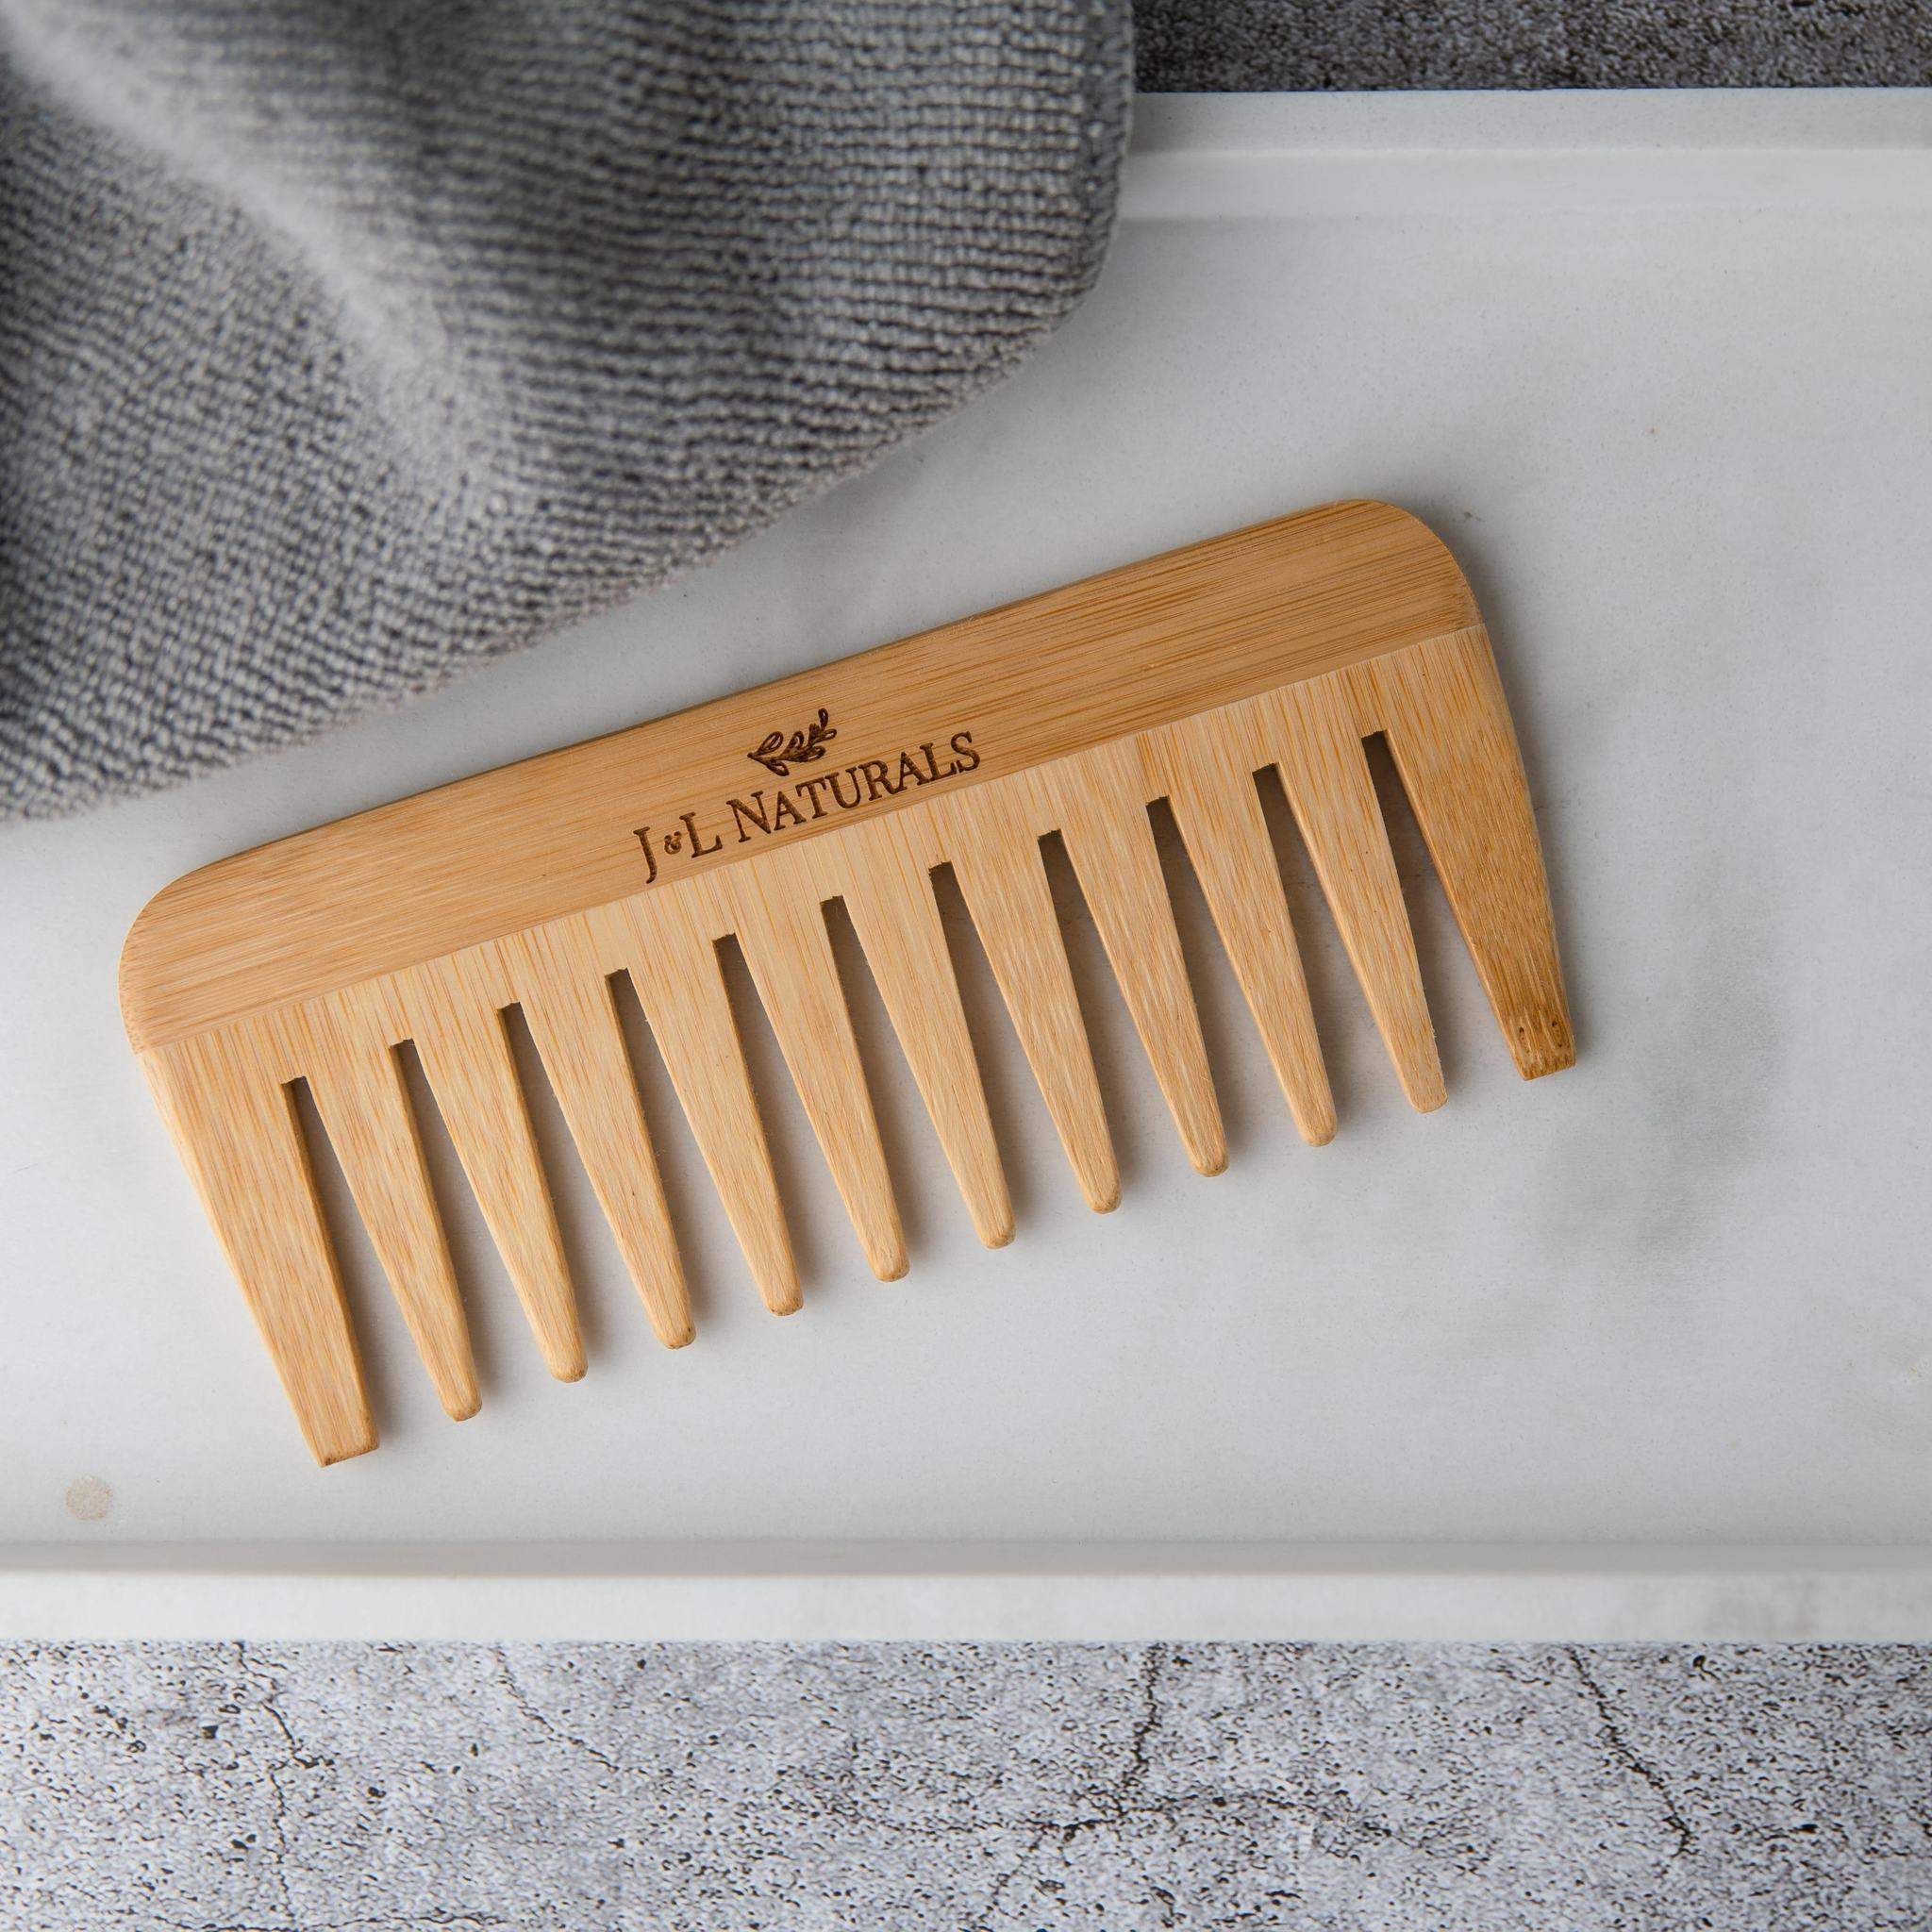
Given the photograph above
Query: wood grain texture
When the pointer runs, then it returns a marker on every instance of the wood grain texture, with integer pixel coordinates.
(455, 1010)
(344, 1043)
(1440, 706)
(567, 1002)
(1098, 802)
(544, 887)
(886, 883)
(673, 962)
(1318, 749)
(1204, 768)
(233, 1117)
(775, 910)
(995, 840)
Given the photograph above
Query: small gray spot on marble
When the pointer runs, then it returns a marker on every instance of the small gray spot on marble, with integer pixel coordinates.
(1002, 1788)
(87, 1499)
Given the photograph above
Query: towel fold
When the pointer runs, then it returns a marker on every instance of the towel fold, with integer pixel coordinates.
(345, 345)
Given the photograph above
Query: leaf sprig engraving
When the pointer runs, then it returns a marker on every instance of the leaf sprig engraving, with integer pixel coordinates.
(778, 754)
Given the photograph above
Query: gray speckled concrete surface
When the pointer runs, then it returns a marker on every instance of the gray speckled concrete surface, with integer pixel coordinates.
(230, 1787)
(1237, 45)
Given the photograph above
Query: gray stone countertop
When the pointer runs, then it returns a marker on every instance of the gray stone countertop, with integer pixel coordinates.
(231, 1788)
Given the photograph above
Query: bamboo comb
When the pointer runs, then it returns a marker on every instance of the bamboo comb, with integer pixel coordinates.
(535, 886)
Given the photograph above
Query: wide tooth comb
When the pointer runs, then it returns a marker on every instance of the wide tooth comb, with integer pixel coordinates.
(537, 889)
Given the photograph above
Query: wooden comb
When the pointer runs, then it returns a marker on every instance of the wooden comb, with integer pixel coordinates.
(535, 886)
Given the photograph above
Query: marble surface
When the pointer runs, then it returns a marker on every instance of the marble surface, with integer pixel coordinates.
(1670, 401)
(239, 1788)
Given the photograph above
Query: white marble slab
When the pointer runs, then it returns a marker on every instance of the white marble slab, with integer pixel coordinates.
(1657, 368)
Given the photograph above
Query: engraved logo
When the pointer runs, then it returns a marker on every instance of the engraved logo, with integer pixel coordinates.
(762, 811)
(778, 754)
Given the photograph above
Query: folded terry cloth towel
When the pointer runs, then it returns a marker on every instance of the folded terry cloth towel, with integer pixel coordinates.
(344, 343)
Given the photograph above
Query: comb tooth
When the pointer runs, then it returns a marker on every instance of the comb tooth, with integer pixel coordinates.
(887, 891)
(1448, 728)
(1099, 803)
(776, 912)
(674, 966)
(1312, 735)
(1205, 766)
(995, 856)
(233, 1118)
(456, 1023)
(358, 1092)
(567, 1001)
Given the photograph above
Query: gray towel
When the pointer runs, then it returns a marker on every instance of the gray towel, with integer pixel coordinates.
(343, 345)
